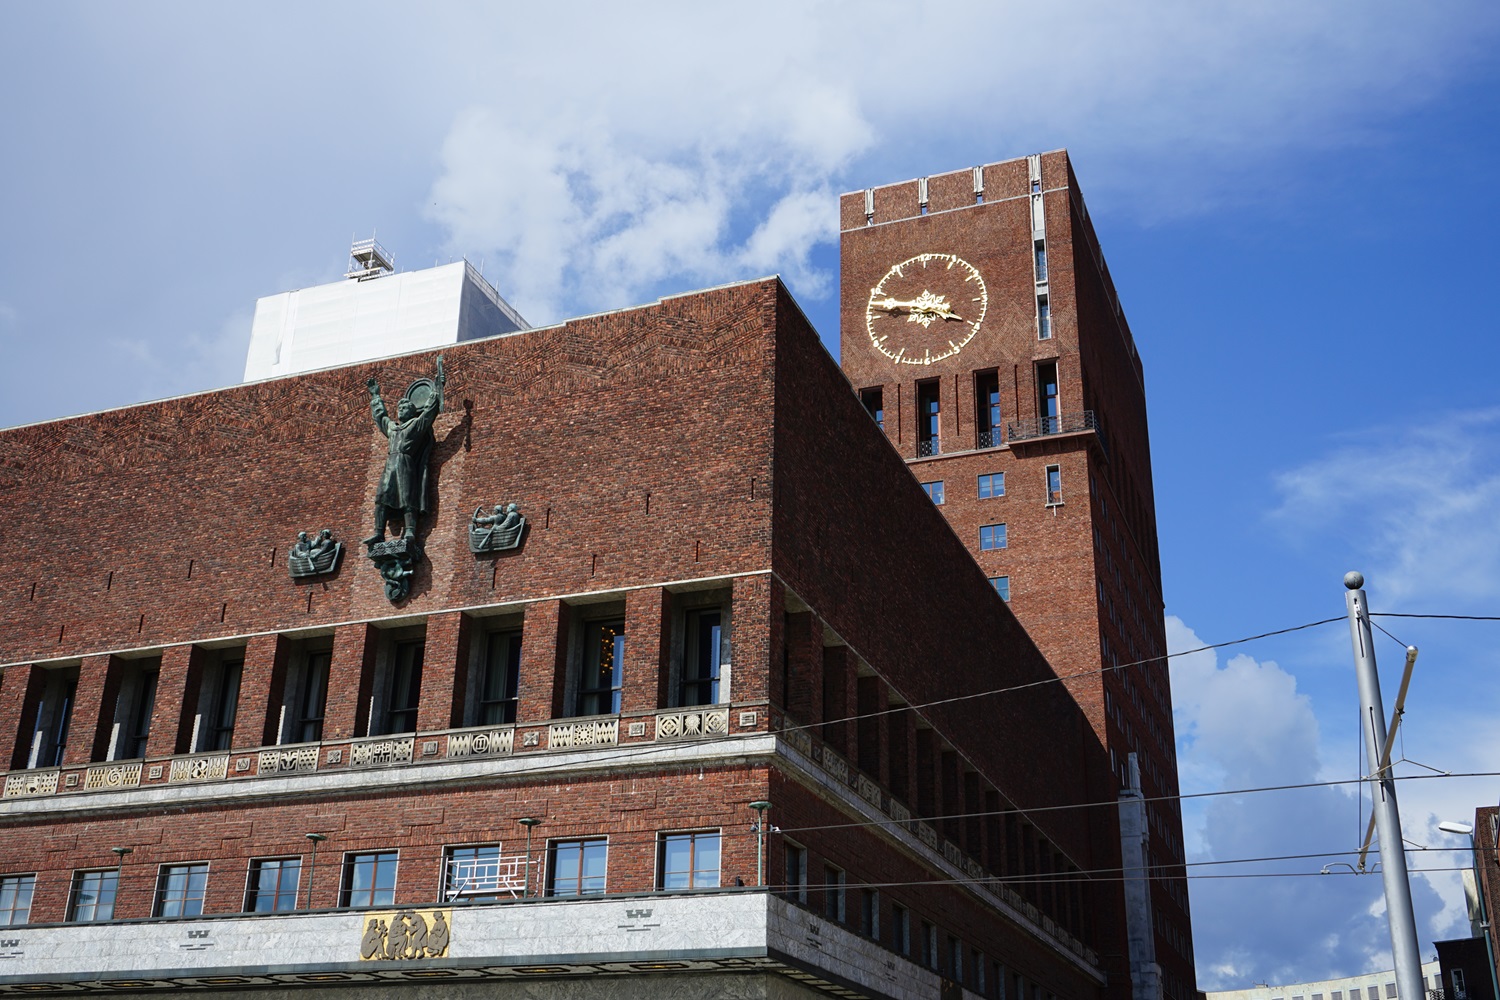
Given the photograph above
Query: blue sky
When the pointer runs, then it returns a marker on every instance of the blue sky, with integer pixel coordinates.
(1297, 202)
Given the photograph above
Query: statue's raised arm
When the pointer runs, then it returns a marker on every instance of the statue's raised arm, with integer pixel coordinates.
(377, 407)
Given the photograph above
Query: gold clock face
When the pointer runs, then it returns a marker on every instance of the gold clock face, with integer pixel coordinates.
(926, 309)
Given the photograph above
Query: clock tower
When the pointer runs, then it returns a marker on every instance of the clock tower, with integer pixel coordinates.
(983, 333)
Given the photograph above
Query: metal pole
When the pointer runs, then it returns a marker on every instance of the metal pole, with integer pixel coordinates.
(761, 806)
(528, 822)
(1403, 924)
(312, 868)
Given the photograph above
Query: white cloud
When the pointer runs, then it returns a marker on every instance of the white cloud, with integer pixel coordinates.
(1418, 501)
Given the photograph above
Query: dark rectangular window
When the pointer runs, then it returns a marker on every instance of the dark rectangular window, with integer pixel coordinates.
(273, 884)
(603, 668)
(475, 873)
(1002, 587)
(796, 873)
(406, 687)
(1047, 398)
(874, 404)
(929, 944)
(92, 895)
(577, 867)
(900, 930)
(55, 714)
(991, 484)
(15, 899)
(180, 890)
(312, 697)
(934, 491)
(833, 894)
(133, 709)
(1054, 485)
(928, 410)
(499, 684)
(956, 960)
(1040, 249)
(688, 860)
(992, 536)
(703, 658)
(369, 879)
(1043, 318)
(220, 704)
(987, 409)
(869, 913)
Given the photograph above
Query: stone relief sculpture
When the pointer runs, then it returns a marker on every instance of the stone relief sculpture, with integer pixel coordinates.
(403, 488)
(405, 935)
(497, 531)
(314, 556)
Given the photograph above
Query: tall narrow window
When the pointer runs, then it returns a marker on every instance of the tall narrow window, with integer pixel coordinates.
(219, 704)
(54, 716)
(900, 929)
(603, 668)
(928, 406)
(180, 890)
(1054, 485)
(1047, 397)
(833, 893)
(312, 697)
(92, 895)
(703, 658)
(874, 403)
(133, 709)
(688, 860)
(1040, 247)
(577, 867)
(1043, 317)
(929, 943)
(987, 409)
(869, 913)
(273, 885)
(796, 873)
(406, 687)
(369, 879)
(500, 681)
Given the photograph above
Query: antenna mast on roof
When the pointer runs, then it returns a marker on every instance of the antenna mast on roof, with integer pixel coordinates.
(368, 259)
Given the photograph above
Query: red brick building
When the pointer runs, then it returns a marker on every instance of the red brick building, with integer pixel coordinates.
(730, 603)
(1020, 406)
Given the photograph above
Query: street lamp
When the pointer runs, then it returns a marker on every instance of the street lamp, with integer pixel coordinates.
(1465, 830)
(316, 838)
(119, 853)
(528, 822)
(760, 806)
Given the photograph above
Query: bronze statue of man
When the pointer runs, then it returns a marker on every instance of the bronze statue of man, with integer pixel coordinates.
(403, 482)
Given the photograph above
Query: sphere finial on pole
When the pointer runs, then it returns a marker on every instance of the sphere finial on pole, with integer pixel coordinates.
(1354, 579)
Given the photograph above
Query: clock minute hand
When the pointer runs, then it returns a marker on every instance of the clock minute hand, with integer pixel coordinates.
(934, 306)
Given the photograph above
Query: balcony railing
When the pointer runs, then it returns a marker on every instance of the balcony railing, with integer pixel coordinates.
(988, 439)
(928, 448)
(1066, 423)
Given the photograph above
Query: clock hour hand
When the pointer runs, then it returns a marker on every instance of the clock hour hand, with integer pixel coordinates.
(926, 304)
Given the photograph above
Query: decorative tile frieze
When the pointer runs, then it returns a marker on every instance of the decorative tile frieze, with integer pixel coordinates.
(927, 835)
(112, 776)
(28, 783)
(899, 812)
(489, 743)
(692, 725)
(381, 753)
(953, 854)
(288, 761)
(799, 739)
(583, 734)
(973, 868)
(868, 790)
(199, 768)
(835, 765)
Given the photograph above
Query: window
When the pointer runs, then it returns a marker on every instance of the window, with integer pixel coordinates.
(576, 867)
(833, 894)
(15, 899)
(1046, 398)
(688, 860)
(796, 874)
(869, 913)
(956, 960)
(704, 646)
(180, 890)
(405, 687)
(900, 930)
(987, 409)
(1040, 248)
(1373, 992)
(874, 403)
(369, 879)
(273, 884)
(991, 536)
(977, 962)
(312, 698)
(1043, 318)
(991, 484)
(499, 681)
(603, 667)
(929, 943)
(475, 873)
(934, 491)
(49, 741)
(1460, 988)
(92, 895)
(928, 397)
(218, 703)
(1390, 991)
(133, 709)
(1002, 587)
(1054, 485)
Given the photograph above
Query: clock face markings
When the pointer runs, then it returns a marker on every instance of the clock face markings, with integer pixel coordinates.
(910, 300)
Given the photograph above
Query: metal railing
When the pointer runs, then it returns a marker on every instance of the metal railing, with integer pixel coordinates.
(928, 448)
(988, 439)
(1066, 423)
